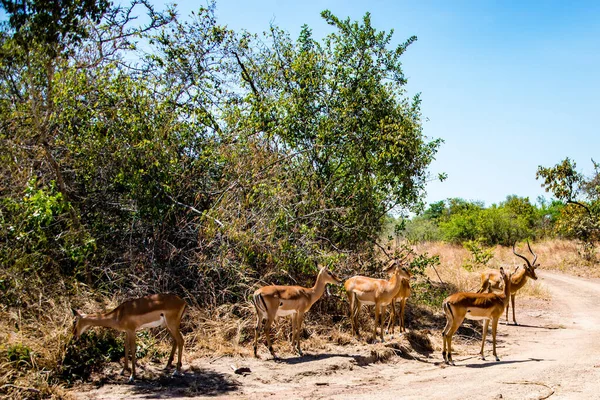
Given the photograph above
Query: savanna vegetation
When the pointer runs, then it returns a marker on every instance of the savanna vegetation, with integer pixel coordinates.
(144, 152)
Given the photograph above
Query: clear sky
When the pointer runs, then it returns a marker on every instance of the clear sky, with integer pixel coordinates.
(508, 85)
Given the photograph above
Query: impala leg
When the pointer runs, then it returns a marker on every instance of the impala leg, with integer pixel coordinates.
(375, 324)
(177, 342)
(132, 350)
(382, 311)
(172, 355)
(300, 320)
(180, 343)
(259, 320)
(356, 314)
(453, 329)
(381, 318)
(126, 360)
(494, 329)
(294, 321)
(402, 308)
(512, 302)
(353, 313)
(392, 322)
(268, 335)
(507, 307)
(445, 334)
(483, 335)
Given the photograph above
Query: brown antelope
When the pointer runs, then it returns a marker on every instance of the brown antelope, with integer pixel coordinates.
(491, 280)
(279, 301)
(401, 298)
(379, 292)
(476, 306)
(146, 312)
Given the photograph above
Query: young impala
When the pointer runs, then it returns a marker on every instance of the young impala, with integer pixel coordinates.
(146, 312)
(275, 301)
(379, 292)
(485, 306)
(491, 280)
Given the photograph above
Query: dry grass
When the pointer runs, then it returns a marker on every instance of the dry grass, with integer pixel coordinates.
(44, 327)
(556, 254)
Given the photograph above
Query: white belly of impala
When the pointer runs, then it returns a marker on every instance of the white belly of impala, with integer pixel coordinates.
(284, 313)
(476, 314)
(153, 324)
(476, 317)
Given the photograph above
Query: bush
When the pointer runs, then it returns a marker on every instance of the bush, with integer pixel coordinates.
(479, 255)
(420, 229)
(20, 356)
(90, 353)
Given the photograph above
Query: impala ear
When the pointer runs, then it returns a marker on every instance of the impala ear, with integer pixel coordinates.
(76, 313)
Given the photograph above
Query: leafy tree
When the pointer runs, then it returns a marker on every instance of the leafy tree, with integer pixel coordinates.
(337, 111)
(580, 218)
(435, 211)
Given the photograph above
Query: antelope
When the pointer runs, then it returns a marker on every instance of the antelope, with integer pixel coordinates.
(491, 280)
(378, 292)
(275, 301)
(401, 297)
(145, 312)
(486, 306)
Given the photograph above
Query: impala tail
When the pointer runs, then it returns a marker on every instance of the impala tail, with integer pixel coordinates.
(259, 303)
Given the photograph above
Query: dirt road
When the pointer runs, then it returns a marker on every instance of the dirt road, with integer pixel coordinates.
(555, 352)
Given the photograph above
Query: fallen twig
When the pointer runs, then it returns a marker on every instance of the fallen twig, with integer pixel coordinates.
(11, 386)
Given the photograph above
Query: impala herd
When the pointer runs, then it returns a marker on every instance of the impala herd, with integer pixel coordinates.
(270, 302)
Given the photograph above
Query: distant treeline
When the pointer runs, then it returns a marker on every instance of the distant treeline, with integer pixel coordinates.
(456, 220)
(573, 214)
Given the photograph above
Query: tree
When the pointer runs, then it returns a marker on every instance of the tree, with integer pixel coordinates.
(581, 216)
(337, 113)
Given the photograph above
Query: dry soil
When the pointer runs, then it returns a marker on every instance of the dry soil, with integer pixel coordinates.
(553, 353)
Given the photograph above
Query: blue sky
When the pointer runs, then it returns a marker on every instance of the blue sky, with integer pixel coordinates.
(508, 86)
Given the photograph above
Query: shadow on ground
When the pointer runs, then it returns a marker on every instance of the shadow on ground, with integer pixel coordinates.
(194, 382)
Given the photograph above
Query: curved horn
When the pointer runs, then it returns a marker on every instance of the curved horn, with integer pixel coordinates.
(531, 251)
(518, 255)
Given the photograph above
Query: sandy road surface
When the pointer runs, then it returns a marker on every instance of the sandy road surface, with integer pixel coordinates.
(554, 353)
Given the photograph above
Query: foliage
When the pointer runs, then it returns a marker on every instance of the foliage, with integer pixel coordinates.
(422, 261)
(480, 256)
(20, 356)
(182, 156)
(458, 221)
(580, 218)
(421, 229)
(336, 110)
(90, 353)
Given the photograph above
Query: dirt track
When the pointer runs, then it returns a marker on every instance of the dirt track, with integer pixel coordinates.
(555, 352)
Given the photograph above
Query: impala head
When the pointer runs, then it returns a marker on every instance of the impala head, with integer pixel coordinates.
(397, 267)
(529, 266)
(330, 276)
(78, 326)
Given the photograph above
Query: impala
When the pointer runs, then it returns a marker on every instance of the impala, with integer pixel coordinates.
(485, 306)
(491, 280)
(379, 292)
(275, 301)
(401, 297)
(146, 312)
